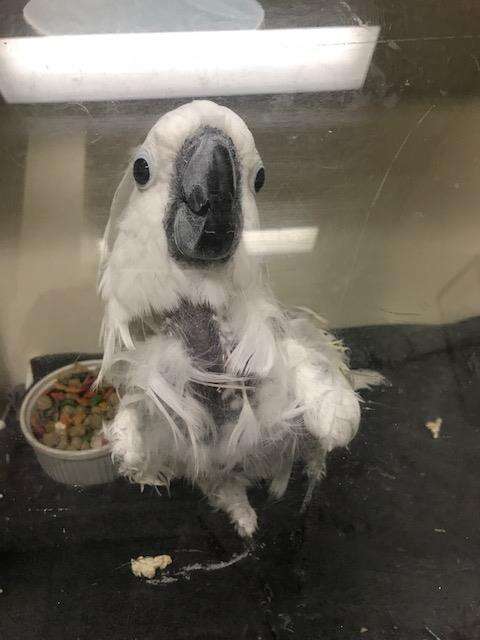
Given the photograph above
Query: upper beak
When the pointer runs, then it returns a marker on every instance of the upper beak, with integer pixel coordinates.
(207, 222)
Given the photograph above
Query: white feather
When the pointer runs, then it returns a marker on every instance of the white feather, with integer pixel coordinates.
(245, 434)
(366, 379)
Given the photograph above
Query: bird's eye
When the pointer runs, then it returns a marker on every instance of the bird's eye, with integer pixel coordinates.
(259, 179)
(141, 171)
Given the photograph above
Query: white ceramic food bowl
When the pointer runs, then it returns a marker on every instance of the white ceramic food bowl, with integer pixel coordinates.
(93, 466)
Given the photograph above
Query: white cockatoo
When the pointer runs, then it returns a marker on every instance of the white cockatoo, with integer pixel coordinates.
(218, 383)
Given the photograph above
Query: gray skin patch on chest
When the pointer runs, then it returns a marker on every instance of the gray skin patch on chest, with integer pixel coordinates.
(199, 329)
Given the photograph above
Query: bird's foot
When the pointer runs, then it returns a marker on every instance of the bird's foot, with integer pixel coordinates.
(245, 521)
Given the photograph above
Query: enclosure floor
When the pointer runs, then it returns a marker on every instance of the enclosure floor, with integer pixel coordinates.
(388, 548)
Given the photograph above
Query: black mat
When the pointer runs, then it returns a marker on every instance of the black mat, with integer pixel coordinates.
(388, 549)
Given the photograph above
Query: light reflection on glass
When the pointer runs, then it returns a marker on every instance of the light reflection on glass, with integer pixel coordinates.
(266, 242)
(161, 65)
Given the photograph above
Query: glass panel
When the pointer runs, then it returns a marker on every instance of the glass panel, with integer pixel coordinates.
(364, 115)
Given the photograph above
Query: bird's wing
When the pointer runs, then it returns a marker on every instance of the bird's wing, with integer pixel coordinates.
(138, 443)
(319, 375)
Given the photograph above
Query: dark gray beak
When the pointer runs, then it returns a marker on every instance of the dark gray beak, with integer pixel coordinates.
(205, 222)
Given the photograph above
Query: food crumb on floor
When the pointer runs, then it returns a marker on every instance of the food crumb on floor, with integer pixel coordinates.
(146, 566)
(363, 630)
(434, 427)
(440, 530)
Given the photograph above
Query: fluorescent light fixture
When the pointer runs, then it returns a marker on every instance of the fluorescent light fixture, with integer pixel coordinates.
(166, 65)
(264, 242)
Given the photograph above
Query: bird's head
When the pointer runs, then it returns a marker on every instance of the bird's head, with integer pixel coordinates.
(178, 215)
